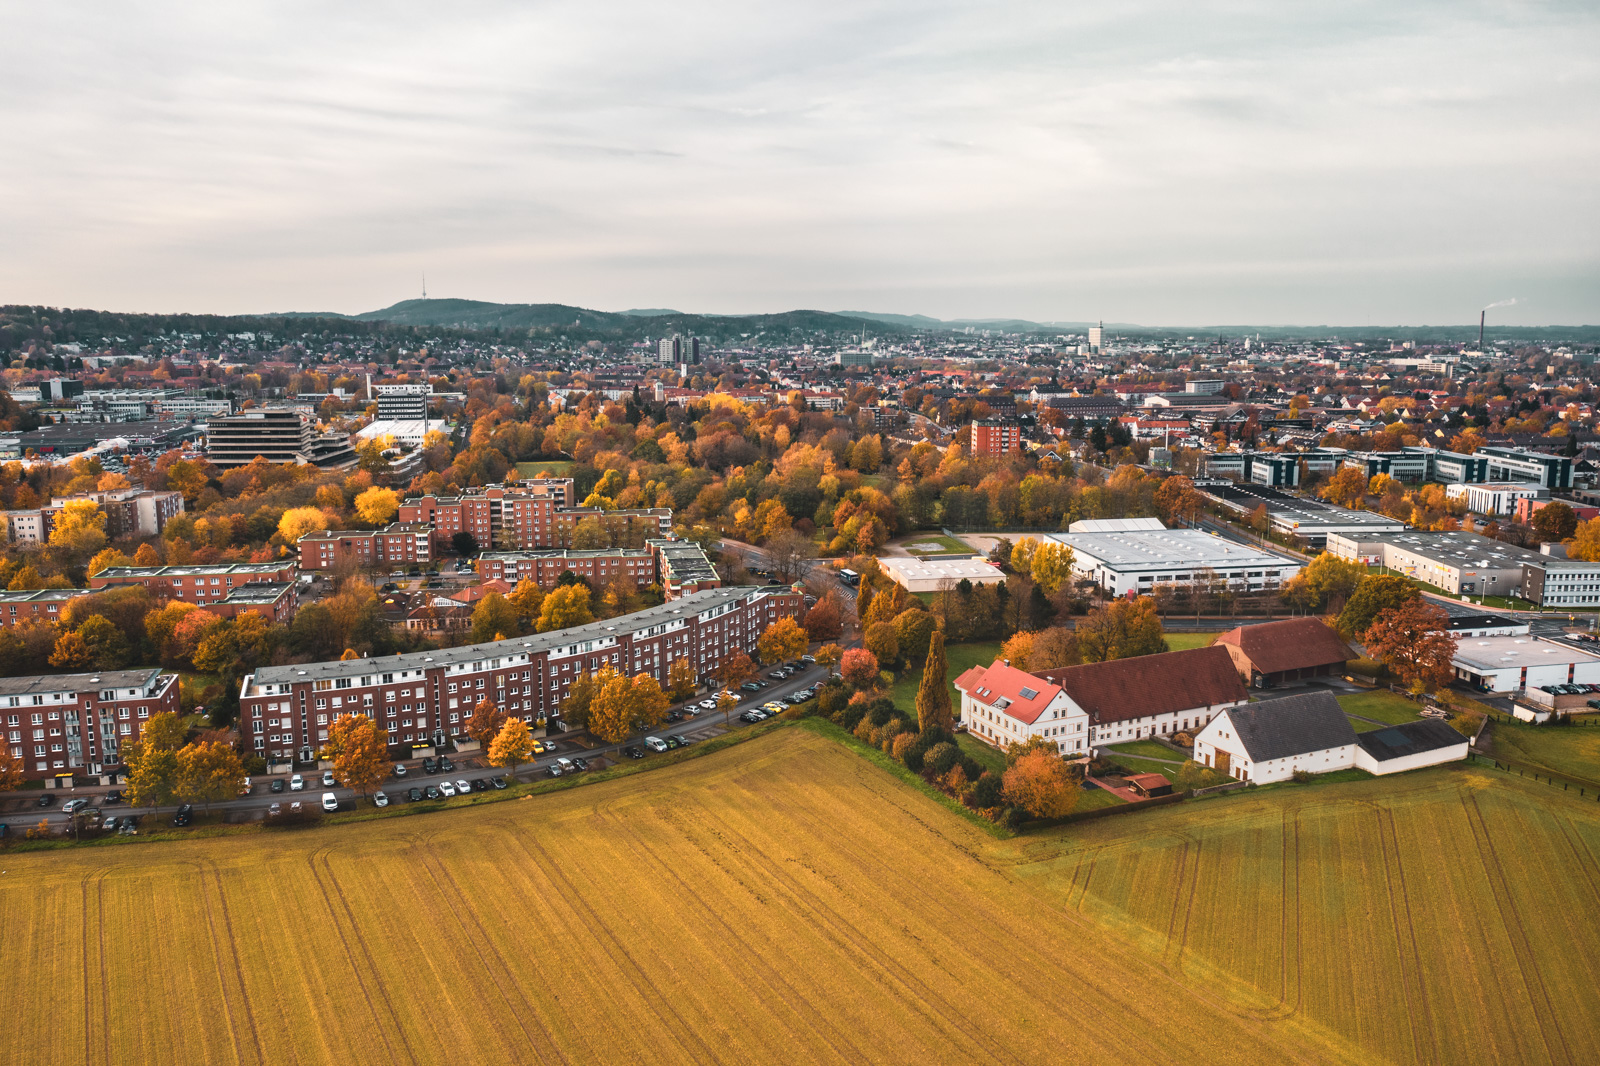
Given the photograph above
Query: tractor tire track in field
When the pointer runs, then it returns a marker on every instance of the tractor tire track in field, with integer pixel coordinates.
(322, 877)
(1289, 913)
(238, 965)
(1511, 922)
(98, 881)
(1179, 931)
(1582, 853)
(790, 995)
(494, 964)
(1412, 983)
(229, 1008)
(941, 1014)
(689, 1042)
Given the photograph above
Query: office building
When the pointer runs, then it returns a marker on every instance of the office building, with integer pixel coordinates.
(403, 403)
(1470, 564)
(61, 723)
(1096, 334)
(1136, 562)
(1515, 664)
(677, 349)
(278, 435)
(1494, 499)
(423, 698)
(1204, 386)
(1310, 521)
(996, 437)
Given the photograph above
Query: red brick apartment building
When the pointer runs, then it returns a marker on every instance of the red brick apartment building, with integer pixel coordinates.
(62, 723)
(544, 568)
(202, 584)
(422, 698)
(35, 605)
(995, 437)
(392, 545)
(538, 513)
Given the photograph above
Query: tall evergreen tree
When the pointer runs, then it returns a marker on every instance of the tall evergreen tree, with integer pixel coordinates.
(933, 693)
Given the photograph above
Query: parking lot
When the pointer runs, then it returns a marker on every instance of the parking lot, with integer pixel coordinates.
(690, 722)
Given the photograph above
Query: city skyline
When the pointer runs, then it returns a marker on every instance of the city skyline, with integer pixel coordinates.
(1353, 165)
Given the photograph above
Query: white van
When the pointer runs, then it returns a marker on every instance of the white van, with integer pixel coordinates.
(566, 766)
(655, 743)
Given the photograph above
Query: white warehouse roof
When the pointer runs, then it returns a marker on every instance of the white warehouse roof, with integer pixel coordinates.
(1114, 525)
(918, 575)
(1140, 550)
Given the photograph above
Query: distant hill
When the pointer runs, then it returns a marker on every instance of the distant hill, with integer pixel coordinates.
(651, 312)
(561, 319)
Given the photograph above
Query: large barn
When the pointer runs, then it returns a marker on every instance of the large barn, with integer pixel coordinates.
(1273, 653)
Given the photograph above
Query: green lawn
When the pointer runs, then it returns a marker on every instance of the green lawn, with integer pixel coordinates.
(1382, 705)
(555, 466)
(940, 544)
(1144, 766)
(1095, 798)
(1185, 641)
(991, 759)
(1570, 750)
(1146, 747)
(961, 657)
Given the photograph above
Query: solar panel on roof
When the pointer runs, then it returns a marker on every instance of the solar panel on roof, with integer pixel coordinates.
(1029, 694)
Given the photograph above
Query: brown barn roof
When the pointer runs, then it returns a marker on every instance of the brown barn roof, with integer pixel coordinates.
(1151, 684)
(1292, 644)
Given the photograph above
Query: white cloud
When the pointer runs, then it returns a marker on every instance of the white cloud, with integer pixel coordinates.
(1163, 163)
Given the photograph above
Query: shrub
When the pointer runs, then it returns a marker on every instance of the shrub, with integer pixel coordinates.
(851, 715)
(1302, 776)
(881, 710)
(903, 743)
(972, 767)
(1183, 740)
(986, 791)
(1101, 765)
(1193, 775)
(832, 699)
(887, 733)
(864, 730)
(940, 758)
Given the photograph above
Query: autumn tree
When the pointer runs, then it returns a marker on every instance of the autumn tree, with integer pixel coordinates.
(1040, 784)
(912, 630)
(933, 691)
(1347, 488)
(152, 760)
(882, 640)
(107, 557)
(12, 771)
(1120, 630)
(734, 669)
(859, 668)
(1413, 641)
(828, 654)
(1375, 594)
(298, 521)
(71, 652)
(1467, 441)
(378, 506)
(1017, 649)
(1052, 648)
(726, 702)
(681, 680)
(1326, 581)
(79, 529)
(825, 619)
(483, 725)
(527, 599)
(512, 745)
(106, 645)
(1555, 521)
(494, 619)
(622, 706)
(579, 698)
(207, 771)
(1177, 499)
(782, 641)
(360, 753)
(565, 607)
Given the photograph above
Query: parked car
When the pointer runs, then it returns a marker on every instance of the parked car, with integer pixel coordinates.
(399, 769)
(674, 716)
(708, 705)
(633, 751)
(498, 782)
(274, 810)
(750, 686)
(114, 796)
(553, 770)
(295, 807)
(330, 802)
(777, 675)
(430, 765)
(245, 787)
(413, 795)
(297, 783)
(480, 784)
(655, 744)
(47, 800)
(551, 747)
(432, 792)
(680, 740)
(184, 816)
(566, 766)
(73, 805)
(446, 766)
(463, 788)
(581, 763)
(276, 785)
(808, 659)
(327, 779)
(447, 789)
(750, 717)
(380, 799)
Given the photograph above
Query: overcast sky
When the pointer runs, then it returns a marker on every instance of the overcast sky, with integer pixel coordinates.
(1161, 163)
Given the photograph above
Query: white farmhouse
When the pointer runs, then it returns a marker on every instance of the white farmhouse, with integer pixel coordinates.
(1266, 742)
(1003, 705)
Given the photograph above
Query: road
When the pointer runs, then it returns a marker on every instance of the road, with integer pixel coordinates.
(702, 727)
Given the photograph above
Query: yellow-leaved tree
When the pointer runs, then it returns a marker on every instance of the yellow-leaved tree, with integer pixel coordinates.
(378, 506)
(298, 521)
(512, 744)
(360, 753)
(207, 771)
(783, 640)
(565, 607)
(80, 528)
(1051, 566)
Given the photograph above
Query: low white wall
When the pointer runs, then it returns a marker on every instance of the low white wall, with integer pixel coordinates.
(1454, 753)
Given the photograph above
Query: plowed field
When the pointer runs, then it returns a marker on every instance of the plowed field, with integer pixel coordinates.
(784, 901)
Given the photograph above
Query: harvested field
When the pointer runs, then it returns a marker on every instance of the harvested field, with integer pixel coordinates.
(786, 901)
(1573, 751)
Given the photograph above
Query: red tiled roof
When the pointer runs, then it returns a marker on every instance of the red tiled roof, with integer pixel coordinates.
(1151, 684)
(1292, 644)
(1003, 688)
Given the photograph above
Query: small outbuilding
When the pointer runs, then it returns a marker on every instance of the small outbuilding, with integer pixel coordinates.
(1408, 747)
(932, 575)
(1150, 785)
(1273, 653)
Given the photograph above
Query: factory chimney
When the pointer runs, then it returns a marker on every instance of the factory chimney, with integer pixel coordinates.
(1481, 315)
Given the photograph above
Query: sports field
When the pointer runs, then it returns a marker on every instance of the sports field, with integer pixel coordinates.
(786, 901)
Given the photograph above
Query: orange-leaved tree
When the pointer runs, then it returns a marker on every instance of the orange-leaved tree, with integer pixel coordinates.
(360, 753)
(1040, 784)
(783, 640)
(512, 744)
(485, 721)
(1412, 640)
